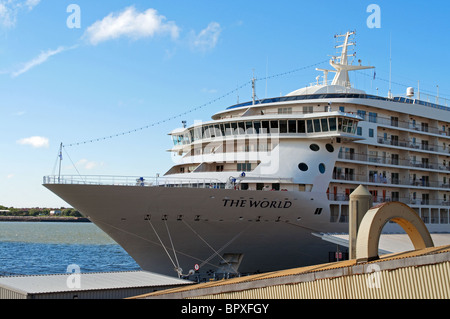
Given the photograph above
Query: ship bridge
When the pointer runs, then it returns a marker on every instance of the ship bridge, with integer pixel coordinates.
(294, 125)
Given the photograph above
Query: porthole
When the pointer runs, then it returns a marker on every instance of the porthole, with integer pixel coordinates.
(322, 168)
(330, 148)
(303, 167)
(314, 147)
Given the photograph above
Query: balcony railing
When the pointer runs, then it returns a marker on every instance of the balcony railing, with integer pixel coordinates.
(341, 197)
(414, 146)
(416, 126)
(377, 179)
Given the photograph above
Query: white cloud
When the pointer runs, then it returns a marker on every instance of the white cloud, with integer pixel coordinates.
(9, 10)
(9, 176)
(31, 3)
(207, 38)
(88, 164)
(210, 91)
(132, 24)
(35, 141)
(41, 58)
(7, 15)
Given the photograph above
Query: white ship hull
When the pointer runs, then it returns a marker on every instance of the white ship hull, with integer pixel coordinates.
(275, 235)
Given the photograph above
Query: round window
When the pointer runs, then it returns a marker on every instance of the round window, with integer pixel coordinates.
(330, 148)
(322, 168)
(303, 167)
(314, 147)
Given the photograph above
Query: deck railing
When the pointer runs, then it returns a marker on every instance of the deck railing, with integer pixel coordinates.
(134, 181)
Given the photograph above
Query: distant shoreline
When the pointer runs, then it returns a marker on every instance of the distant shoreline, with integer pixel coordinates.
(44, 219)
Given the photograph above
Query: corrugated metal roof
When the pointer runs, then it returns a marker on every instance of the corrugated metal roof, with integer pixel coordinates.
(314, 269)
(88, 281)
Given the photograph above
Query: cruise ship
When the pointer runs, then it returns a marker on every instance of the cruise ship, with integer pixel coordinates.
(252, 185)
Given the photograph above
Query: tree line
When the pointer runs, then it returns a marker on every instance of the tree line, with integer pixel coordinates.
(11, 211)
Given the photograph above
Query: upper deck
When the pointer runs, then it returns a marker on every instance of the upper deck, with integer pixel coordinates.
(311, 125)
(332, 96)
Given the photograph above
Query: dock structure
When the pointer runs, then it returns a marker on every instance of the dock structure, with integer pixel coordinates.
(107, 285)
(419, 274)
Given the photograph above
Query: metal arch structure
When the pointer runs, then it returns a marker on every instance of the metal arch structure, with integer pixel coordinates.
(374, 220)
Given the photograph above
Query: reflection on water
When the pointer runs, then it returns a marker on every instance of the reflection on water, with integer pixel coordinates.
(53, 233)
(48, 248)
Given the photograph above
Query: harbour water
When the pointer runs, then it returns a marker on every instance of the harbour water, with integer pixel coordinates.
(33, 248)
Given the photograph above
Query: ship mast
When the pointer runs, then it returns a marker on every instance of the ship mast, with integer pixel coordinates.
(340, 63)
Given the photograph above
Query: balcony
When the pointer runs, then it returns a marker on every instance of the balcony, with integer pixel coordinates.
(414, 146)
(409, 125)
(389, 181)
(341, 197)
(373, 159)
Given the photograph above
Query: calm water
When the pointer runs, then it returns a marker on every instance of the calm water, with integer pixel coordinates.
(49, 248)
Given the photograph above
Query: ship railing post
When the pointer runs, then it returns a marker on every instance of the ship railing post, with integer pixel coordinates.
(360, 202)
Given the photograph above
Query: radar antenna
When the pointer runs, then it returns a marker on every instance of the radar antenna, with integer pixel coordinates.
(341, 63)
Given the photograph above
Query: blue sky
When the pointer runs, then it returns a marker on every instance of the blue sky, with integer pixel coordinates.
(129, 64)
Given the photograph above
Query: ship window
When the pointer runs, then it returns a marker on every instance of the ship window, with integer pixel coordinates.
(257, 126)
(283, 126)
(344, 125)
(212, 131)
(197, 133)
(330, 148)
(228, 129)
(203, 132)
(307, 109)
(303, 167)
(314, 147)
(244, 167)
(241, 128)
(265, 127)
(249, 127)
(349, 127)
(273, 127)
(207, 131)
(285, 110)
(362, 114)
(316, 125)
(234, 128)
(217, 130)
(309, 126)
(301, 126)
(372, 117)
(292, 126)
(324, 125)
(322, 168)
(332, 121)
